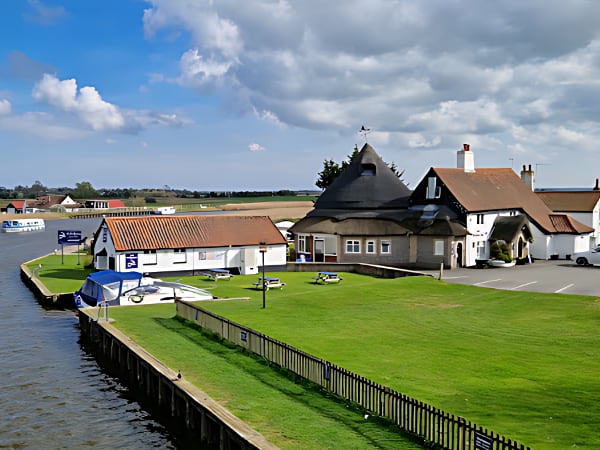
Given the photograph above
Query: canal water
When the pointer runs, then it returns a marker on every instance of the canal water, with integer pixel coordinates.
(53, 395)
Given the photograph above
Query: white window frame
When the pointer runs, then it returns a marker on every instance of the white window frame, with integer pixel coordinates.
(370, 247)
(303, 244)
(385, 246)
(438, 247)
(353, 246)
(480, 219)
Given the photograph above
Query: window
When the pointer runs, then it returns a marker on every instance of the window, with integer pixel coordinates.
(149, 258)
(386, 246)
(367, 169)
(480, 219)
(304, 244)
(438, 248)
(433, 191)
(370, 246)
(352, 246)
(179, 255)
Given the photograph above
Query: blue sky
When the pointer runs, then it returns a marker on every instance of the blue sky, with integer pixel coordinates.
(255, 95)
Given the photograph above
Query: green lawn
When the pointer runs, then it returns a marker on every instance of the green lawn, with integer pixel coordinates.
(522, 364)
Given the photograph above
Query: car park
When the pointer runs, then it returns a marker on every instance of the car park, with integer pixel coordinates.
(587, 258)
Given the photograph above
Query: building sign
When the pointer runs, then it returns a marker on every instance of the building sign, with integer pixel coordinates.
(131, 260)
(69, 237)
(482, 442)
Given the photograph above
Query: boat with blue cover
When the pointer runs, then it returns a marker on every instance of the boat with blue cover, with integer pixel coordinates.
(112, 288)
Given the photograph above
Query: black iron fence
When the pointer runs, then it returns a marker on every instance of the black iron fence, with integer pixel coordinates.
(429, 423)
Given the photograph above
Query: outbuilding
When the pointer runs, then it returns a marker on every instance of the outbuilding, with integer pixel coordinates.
(170, 245)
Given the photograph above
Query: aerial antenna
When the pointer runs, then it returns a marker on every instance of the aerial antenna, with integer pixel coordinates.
(364, 131)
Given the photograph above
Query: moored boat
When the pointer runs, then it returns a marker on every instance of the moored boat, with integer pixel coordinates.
(112, 288)
(20, 225)
(165, 210)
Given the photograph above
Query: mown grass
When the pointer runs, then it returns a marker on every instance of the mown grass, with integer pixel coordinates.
(288, 413)
(522, 364)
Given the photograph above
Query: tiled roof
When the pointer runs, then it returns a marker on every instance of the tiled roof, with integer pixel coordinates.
(500, 189)
(565, 201)
(201, 231)
(563, 223)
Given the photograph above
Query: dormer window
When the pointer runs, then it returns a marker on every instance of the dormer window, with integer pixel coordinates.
(367, 170)
(433, 190)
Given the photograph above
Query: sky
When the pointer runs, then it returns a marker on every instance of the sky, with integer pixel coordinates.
(255, 95)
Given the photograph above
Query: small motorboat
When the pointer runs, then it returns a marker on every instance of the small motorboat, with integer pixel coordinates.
(112, 288)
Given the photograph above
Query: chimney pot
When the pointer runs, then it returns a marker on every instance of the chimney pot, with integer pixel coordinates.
(466, 147)
(597, 187)
(524, 167)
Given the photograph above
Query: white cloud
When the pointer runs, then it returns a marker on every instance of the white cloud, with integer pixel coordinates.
(5, 107)
(256, 148)
(426, 75)
(86, 104)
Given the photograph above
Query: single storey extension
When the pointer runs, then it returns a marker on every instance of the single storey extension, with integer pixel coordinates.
(170, 245)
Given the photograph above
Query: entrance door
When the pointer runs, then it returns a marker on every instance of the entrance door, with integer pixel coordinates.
(319, 250)
(459, 254)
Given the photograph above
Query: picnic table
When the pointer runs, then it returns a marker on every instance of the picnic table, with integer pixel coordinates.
(268, 283)
(218, 274)
(327, 277)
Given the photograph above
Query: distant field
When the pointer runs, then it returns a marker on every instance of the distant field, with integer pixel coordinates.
(522, 364)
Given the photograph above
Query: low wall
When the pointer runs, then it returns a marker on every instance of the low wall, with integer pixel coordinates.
(191, 415)
(363, 269)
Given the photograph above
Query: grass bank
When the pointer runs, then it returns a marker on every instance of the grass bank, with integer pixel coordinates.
(522, 364)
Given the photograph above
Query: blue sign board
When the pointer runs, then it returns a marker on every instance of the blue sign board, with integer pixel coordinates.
(69, 237)
(131, 260)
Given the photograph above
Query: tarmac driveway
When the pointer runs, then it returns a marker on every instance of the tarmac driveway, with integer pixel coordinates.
(560, 276)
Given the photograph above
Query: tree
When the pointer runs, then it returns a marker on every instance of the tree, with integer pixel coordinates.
(84, 190)
(331, 170)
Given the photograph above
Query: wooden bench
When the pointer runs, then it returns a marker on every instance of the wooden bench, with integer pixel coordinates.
(268, 283)
(327, 277)
(218, 274)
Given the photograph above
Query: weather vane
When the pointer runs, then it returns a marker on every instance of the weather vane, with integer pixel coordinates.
(364, 131)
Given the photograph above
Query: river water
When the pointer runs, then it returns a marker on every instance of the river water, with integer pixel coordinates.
(53, 395)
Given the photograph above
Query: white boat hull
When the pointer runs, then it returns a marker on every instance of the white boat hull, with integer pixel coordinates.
(23, 225)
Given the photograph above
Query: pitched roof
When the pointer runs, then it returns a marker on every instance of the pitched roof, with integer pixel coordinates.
(201, 231)
(507, 228)
(367, 183)
(570, 201)
(489, 189)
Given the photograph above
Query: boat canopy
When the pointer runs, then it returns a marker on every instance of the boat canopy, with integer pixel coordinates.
(106, 285)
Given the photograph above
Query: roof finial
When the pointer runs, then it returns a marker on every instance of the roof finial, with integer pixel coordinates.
(364, 131)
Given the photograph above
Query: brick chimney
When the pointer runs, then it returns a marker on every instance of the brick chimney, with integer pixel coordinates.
(527, 176)
(465, 159)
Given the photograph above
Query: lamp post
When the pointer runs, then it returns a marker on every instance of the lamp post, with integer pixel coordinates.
(262, 248)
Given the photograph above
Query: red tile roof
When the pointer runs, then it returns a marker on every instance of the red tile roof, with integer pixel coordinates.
(201, 231)
(489, 189)
(580, 201)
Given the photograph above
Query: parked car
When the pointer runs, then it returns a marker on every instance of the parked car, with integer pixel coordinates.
(586, 258)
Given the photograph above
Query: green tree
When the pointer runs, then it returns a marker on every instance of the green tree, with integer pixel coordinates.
(331, 170)
(84, 190)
